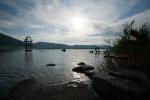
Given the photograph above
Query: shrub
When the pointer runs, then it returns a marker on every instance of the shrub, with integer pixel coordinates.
(133, 41)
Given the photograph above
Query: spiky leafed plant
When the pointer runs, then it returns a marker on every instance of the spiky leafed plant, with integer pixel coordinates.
(126, 45)
(120, 44)
(134, 42)
(144, 40)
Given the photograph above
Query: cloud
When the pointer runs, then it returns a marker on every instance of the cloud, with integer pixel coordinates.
(51, 20)
(115, 29)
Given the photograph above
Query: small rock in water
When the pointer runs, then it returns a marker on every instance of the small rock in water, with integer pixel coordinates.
(83, 68)
(81, 63)
(50, 64)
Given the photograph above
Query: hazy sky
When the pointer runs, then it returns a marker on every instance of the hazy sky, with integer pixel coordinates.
(70, 21)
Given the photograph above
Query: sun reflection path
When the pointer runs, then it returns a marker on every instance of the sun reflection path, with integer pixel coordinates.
(78, 77)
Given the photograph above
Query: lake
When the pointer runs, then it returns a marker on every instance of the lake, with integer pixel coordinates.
(16, 65)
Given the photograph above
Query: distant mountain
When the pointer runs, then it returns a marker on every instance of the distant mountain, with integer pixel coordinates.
(9, 42)
(46, 45)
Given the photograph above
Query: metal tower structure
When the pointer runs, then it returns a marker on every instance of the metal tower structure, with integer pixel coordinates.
(28, 44)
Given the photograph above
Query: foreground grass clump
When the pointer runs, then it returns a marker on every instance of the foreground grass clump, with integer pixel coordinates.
(131, 49)
(134, 41)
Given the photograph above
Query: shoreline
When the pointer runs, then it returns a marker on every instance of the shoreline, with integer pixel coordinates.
(121, 85)
(30, 89)
(125, 84)
(106, 85)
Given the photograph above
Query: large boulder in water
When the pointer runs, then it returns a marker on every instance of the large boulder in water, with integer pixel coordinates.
(81, 63)
(83, 68)
(32, 90)
(28, 89)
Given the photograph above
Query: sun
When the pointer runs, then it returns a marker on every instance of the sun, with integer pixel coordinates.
(78, 22)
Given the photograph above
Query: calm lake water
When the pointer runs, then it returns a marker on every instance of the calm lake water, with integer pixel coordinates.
(17, 65)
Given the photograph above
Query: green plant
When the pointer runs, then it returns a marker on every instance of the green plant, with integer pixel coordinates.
(133, 41)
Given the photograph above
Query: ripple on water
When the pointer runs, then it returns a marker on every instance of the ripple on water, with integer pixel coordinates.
(17, 65)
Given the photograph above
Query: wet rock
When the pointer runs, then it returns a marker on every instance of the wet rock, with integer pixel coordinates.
(32, 90)
(26, 90)
(83, 68)
(90, 74)
(110, 87)
(81, 63)
(50, 64)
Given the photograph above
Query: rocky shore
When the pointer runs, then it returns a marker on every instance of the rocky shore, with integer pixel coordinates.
(83, 68)
(120, 85)
(30, 89)
(116, 86)
(107, 85)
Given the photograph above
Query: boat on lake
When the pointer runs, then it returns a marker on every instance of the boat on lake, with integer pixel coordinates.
(64, 50)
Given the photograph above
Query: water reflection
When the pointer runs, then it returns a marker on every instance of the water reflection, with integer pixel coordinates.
(28, 59)
(78, 77)
(18, 65)
(28, 64)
